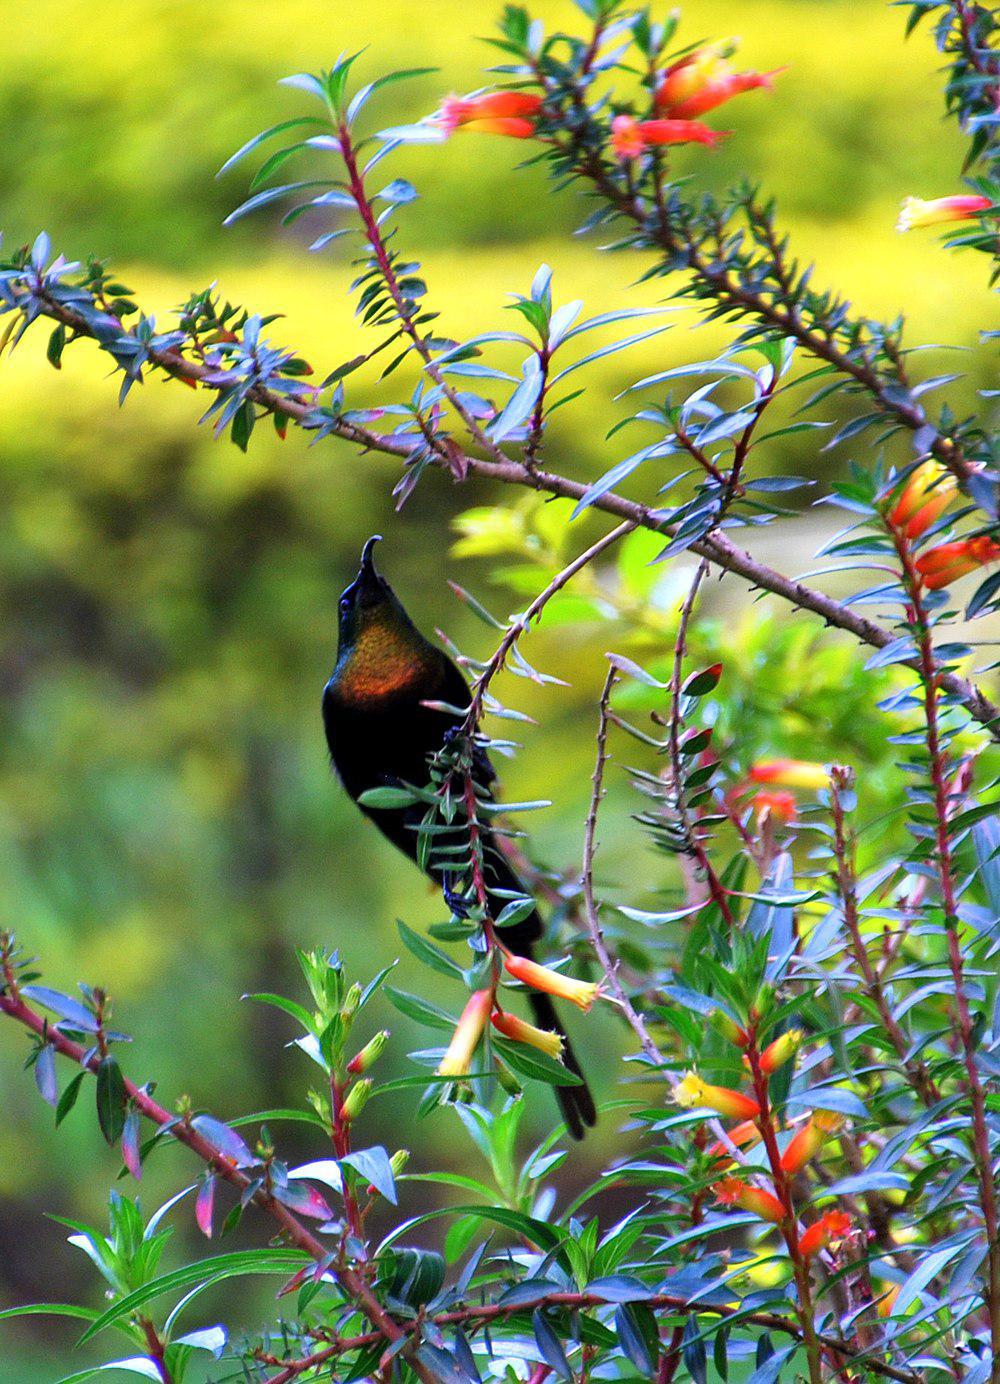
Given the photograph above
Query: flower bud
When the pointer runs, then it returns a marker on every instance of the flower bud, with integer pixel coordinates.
(779, 1052)
(728, 1027)
(356, 1100)
(947, 562)
(926, 495)
(365, 1059)
(398, 1161)
(351, 1001)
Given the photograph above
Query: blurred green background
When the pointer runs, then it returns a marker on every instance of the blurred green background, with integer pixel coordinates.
(168, 824)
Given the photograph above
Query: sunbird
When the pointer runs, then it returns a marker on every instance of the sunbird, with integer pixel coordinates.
(382, 733)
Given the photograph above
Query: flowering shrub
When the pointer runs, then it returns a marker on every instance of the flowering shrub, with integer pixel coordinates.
(812, 1007)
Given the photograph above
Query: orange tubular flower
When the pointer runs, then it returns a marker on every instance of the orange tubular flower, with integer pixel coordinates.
(775, 805)
(468, 1031)
(495, 112)
(631, 137)
(731, 1191)
(949, 561)
(692, 1092)
(831, 1226)
(795, 773)
(809, 1140)
(523, 1032)
(742, 1135)
(924, 498)
(579, 992)
(916, 211)
(779, 1052)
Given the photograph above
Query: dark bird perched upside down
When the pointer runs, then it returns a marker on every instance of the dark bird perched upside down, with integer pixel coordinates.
(381, 734)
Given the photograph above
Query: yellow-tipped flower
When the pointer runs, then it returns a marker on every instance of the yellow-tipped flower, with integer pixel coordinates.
(779, 1052)
(692, 1092)
(810, 1139)
(522, 1032)
(579, 992)
(924, 498)
(795, 773)
(918, 211)
(468, 1031)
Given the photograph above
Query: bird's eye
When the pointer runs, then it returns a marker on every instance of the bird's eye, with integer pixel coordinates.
(345, 603)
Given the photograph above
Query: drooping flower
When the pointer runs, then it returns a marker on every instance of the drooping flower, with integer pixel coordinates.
(947, 562)
(916, 211)
(733, 1191)
(691, 1091)
(831, 1226)
(582, 993)
(810, 1139)
(775, 805)
(631, 137)
(742, 1135)
(794, 773)
(494, 112)
(703, 80)
(779, 1052)
(924, 498)
(468, 1031)
(521, 1031)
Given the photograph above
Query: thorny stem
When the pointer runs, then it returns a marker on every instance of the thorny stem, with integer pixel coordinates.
(843, 848)
(482, 1315)
(937, 756)
(352, 1283)
(788, 1227)
(692, 839)
(716, 546)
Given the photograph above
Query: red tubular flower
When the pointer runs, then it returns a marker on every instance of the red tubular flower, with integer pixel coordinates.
(775, 805)
(582, 993)
(494, 112)
(631, 137)
(731, 1191)
(795, 773)
(468, 1031)
(692, 1092)
(522, 1032)
(949, 561)
(924, 498)
(831, 1226)
(809, 1140)
(918, 212)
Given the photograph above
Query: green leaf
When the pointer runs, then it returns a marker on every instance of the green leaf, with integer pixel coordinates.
(111, 1096)
(429, 954)
(214, 1270)
(420, 1009)
(68, 1098)
(280, 1002)
(252, 144)
(534, 1064)
(387, 798)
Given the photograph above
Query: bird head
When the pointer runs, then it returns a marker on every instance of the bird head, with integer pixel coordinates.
(369, 607)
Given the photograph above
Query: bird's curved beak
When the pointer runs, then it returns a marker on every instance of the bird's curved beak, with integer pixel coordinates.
(368, 584)
(368, 568)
